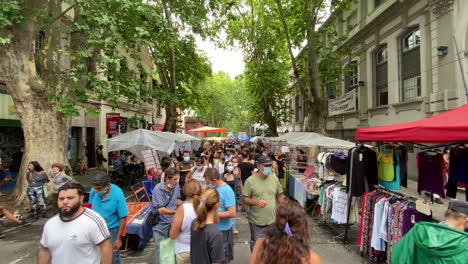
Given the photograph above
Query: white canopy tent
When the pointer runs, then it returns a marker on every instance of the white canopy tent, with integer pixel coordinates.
(188, 141)
(309, 139)
(139, 140)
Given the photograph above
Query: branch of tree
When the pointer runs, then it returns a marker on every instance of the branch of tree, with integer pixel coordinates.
(58, 17)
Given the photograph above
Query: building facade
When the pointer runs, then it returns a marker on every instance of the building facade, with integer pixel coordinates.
(408, 66)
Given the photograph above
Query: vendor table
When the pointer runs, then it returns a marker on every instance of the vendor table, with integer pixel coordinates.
(136, 222)
(298, 190)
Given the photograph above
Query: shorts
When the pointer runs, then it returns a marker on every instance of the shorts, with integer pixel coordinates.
(228, 242)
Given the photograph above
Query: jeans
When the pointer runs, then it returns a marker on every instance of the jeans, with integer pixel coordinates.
(113, 236)
(256, 232)
(158, 237)
(36, 196)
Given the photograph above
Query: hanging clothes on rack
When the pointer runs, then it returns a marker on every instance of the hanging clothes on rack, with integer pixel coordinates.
(385, 217)
(392, 164)
(362, 170)
(458, 167)
(430, 172)
(386, 163)
(331, 165)
(333, 202)
(402, 156)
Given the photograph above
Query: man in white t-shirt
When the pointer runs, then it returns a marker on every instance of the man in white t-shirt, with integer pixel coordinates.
(76, 234)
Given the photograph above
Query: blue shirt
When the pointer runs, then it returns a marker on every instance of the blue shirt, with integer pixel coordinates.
(120, 161)
(160, 199)
(112, 208)
(227, 199)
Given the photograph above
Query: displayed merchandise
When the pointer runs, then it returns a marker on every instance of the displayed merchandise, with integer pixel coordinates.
(457, 167)
(362, 170)
(334, 203)
(393, 171)
(431, 176)
(386, 217)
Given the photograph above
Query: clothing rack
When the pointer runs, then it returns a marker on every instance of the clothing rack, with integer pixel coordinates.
(395, 193)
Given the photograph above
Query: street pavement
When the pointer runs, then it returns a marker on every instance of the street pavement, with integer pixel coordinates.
(21, 243)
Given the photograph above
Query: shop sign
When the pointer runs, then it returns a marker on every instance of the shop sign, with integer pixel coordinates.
(112, 123)
(343, 104)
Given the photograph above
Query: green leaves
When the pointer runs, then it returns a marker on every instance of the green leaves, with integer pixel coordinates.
(10, 14)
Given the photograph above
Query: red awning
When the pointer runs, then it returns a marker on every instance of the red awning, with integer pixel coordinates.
(448, 126)
(208, 129)
(158, 128)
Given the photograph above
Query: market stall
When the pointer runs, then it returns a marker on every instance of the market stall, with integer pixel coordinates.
(306, 161)
(448, 130)
(139, 140)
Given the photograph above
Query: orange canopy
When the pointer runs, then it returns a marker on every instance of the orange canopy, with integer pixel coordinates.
(208, 129)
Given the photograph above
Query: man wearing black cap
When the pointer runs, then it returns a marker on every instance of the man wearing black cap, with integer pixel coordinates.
(261, 192)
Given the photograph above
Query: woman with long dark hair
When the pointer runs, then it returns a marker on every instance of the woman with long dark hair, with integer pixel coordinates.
(287, 240)
(36, 177)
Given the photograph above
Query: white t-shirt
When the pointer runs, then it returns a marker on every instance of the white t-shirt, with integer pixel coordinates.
(76, 240)
(199, 176)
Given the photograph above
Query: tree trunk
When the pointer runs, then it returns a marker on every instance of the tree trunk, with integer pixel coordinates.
(45, 130)
(171, 118)
(316, 116)
(269, 119)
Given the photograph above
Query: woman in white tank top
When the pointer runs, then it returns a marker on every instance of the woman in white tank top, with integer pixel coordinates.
(182, 223)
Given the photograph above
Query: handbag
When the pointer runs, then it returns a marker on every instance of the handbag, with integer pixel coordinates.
(153, 218)
(167, 251)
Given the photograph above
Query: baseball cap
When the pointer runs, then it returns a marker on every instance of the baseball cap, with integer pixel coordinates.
(264, 160)
(459, 206)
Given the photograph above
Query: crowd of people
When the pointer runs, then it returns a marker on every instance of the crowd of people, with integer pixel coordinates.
(194, 204)
(201, 194)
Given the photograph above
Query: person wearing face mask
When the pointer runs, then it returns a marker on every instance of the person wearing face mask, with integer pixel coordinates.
(108, 201)
(184, 167)
(232, 178)
(165, 200)
(198, 171)
(226, 212)
(261, 192)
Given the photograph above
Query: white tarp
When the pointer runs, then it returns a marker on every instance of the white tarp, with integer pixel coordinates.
(139, 140)
(310, 139)
(343, 104)
(182, 139)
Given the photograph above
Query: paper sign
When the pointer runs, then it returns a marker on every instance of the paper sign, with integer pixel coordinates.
(284, 149)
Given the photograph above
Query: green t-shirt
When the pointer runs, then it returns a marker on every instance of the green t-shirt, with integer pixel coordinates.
(267, 189)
